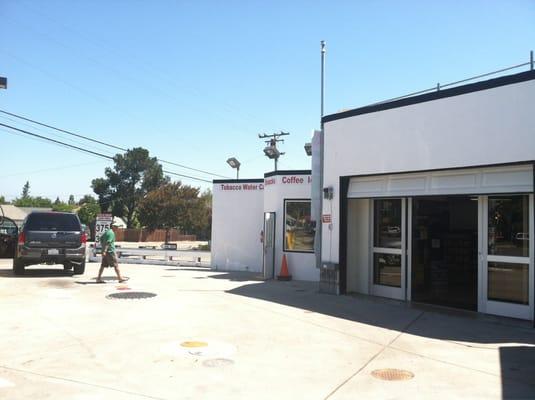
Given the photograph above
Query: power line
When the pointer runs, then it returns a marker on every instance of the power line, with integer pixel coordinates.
(59, 136)
(90, 151)
(103, 143)
(57, 141)
(61, 130)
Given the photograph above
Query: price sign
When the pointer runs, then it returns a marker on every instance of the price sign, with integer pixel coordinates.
(102, 224)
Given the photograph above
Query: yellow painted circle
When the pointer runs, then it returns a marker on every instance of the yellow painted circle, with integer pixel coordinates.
(193, 343)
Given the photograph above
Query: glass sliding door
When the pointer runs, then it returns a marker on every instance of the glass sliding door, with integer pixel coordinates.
(444, 258)
(388, 248)
(508, 255)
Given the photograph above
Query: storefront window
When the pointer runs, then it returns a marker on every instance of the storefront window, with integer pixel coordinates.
(508, 282)
(387, 223)
(509, 226)
(387, 269)
(298, 228)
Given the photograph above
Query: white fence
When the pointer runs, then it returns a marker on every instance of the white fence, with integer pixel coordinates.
(156, 256)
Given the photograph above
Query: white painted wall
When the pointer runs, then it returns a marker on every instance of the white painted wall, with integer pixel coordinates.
(237, 219)
(491, 126)
(302, 266)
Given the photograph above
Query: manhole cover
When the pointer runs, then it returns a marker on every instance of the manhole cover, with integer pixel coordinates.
(131, 295)
(391, 374)
(193, 344)
(217, 362)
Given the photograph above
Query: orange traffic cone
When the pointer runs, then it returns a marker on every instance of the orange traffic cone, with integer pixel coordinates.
(284, 275)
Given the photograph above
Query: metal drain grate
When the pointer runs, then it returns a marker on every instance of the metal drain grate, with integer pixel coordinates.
(217, 362)
(131, 295)
(391, 374)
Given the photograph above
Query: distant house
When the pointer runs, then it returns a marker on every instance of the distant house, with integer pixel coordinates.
(18, 214)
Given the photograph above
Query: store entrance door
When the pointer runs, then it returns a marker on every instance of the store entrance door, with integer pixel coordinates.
(269, 245)
(445, 251)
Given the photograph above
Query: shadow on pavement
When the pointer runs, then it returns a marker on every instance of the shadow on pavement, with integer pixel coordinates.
(237, 276)
(189, 269)
(514, 360)
(38, 272)
(461, 328)
(93, 281)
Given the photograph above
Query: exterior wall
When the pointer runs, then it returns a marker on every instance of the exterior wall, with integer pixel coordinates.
(237, 219)
(285, 185)
(486, 127)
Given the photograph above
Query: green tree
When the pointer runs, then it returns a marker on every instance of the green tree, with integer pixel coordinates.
(134, 174)
(63, 207)
(205, 217)
(2, 200)
(26, 190)
(101, 187)
(172, 205)
(87, 199)
(88, 215)
(71, 201)
(29, 201)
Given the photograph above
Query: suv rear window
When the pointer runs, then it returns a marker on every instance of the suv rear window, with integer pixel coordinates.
(52, 222)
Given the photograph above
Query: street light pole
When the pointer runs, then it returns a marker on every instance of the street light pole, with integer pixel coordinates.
(234, 163)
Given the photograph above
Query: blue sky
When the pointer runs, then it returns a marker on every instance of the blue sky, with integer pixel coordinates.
(196, 81)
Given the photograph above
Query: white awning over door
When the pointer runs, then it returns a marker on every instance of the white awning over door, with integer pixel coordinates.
(489, 180)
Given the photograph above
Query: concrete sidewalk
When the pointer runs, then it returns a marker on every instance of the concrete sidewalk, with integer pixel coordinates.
(215, 335)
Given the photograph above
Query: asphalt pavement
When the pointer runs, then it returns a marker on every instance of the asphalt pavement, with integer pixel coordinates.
(192, 333)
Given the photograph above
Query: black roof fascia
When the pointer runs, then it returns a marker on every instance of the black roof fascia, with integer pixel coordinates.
(259, 180)
(440, 94)
(288, 172)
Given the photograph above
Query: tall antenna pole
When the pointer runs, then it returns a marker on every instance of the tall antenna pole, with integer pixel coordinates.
(318, 239)
(323, 50)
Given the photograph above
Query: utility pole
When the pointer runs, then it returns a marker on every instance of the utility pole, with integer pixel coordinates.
(271, 150)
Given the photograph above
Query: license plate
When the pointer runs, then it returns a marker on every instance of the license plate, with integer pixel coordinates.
(53, 252)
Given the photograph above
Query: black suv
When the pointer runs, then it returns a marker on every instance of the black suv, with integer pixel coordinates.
(51, 238)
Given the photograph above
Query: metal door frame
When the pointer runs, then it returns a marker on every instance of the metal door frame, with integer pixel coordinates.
(398, 293)
(497, 307)
(274, 214)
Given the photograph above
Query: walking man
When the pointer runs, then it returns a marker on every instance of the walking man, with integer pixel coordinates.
(107, 242)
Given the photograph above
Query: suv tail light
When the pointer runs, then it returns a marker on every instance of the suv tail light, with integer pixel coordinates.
(22, 238)
(83, 238)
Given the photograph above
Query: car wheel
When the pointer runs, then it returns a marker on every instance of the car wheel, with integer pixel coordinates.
(18, 267)
(79, 269)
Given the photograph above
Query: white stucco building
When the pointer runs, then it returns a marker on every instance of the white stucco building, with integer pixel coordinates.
(256, 221)
(433, 197)
(426, 199)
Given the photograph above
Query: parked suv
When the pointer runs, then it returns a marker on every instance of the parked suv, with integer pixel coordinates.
(51, 238)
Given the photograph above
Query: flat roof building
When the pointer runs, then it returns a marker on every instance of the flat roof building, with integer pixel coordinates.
(433, 197)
